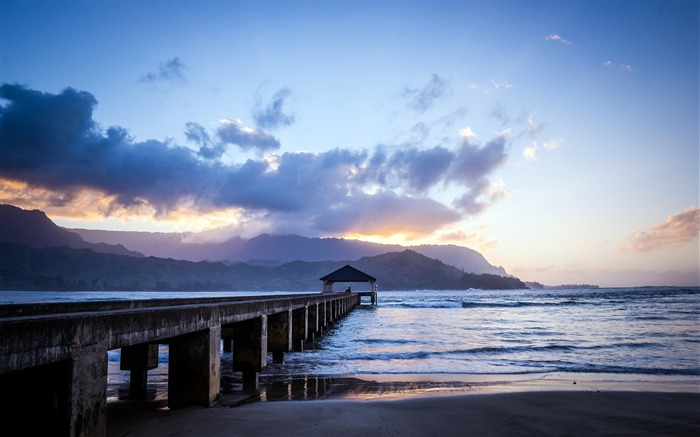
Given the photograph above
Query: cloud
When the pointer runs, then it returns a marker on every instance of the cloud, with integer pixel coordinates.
(229, 132)
(502, 84)
(530, 153)
(197, 134)
(385, 213)
(233, 132)
(500, 113)
(553, 143)
(475, 239)
(53, 151)
(171, 70)
(532, 131)
(556, 38)
(471, 167)
(420, 169)
(420, 100)
(626, 67)
(272, 115)
(678, 229)
(467, 133)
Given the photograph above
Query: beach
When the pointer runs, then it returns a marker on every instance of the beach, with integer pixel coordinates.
(391, 405)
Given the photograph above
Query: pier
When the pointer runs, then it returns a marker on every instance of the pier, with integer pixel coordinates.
(56, 355)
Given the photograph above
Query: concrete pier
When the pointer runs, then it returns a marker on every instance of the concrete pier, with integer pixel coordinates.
(53, 357)
(138, 360)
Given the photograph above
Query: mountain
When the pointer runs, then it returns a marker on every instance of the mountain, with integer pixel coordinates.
(166, 245)
(285, 248)
(272, 250)
(63, 268)
(34, 229)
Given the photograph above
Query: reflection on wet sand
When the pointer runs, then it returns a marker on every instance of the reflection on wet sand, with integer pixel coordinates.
(307, 388)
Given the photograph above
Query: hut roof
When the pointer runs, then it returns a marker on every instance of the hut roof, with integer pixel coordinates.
(348, 274)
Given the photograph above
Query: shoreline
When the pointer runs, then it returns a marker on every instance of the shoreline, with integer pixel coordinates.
(445, 404)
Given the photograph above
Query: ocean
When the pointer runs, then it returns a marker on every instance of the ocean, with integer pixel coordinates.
(628, 333)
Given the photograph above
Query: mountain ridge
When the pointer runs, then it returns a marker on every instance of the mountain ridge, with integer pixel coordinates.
(32, 236)
(33, 228)
(267, 249)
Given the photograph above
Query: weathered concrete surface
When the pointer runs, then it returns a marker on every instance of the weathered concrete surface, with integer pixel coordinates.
(193, 368)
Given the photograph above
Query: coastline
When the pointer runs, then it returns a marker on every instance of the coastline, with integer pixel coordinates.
(418, 405)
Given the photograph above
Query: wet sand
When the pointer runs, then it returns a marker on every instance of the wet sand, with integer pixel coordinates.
(416, 405)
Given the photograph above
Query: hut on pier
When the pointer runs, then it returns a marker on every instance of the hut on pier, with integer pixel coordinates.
(351, 274)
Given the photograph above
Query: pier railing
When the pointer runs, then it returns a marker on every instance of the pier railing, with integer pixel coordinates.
(64, 348)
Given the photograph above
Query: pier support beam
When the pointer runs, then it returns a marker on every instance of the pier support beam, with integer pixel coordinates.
(279, 335)
(138, 360)
(194, 368)
(313, 325)
(250, 350)
(228, 344)
(300, 328)
(325, 313)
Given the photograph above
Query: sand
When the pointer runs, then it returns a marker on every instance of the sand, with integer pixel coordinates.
(555, 409)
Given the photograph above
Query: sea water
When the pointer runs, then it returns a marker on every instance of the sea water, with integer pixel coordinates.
(652, 331)
(619, 331)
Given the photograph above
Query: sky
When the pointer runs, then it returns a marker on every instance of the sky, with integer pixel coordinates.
(558, 138)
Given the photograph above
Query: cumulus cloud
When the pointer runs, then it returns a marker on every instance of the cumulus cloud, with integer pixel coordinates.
(556, 38)
(422, 99)
(272, 115)
(471, 167)
(420, 169)
(208, 149)
(172, 70)
(229, 132)
(233, 132)
(52, 148)
(678, 229)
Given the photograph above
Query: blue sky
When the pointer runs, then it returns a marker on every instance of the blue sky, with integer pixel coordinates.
(559, 139)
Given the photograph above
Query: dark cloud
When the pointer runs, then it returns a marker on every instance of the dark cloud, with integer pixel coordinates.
(50, 141)
(422, 99)
(421, 169)
(473, 163)
(172, 70)
(197, 134)
(272, 115)
(233, 132)
(300, 181)
(471, 167)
